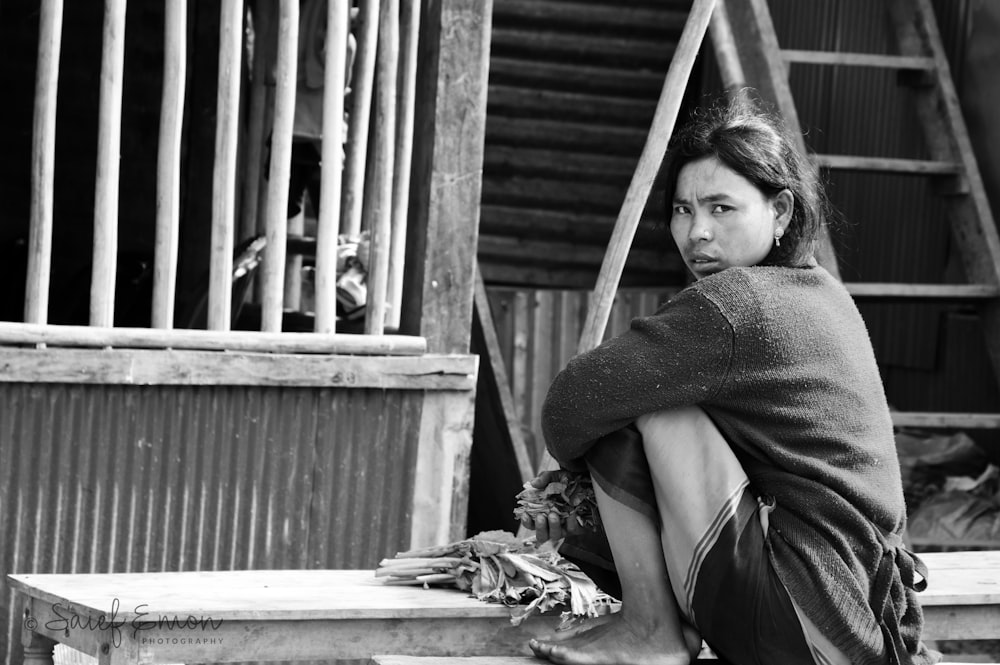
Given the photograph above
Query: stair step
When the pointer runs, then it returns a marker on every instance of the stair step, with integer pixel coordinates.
(909, 292)
(946, 420)
(903, 62)
(886, 164)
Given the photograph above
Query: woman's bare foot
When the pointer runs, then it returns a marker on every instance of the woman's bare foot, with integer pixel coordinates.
(617, 641)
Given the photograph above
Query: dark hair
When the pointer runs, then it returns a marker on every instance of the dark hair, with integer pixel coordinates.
(756, 146)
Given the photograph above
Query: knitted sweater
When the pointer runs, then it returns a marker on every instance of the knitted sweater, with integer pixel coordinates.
(781, 361)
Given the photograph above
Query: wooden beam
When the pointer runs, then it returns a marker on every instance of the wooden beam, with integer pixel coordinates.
(519, 250)
(886, 164)
(453, 60)
(946, 420)
(566, 105)
(627, 50)
(213, 368)
(43, 151)
(858, 59)
(589, 14)
(578, 76)
(183, 338)
(502, 384)
(945, 292)
(362, 86)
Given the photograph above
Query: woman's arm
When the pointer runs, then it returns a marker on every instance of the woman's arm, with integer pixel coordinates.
(677, 357)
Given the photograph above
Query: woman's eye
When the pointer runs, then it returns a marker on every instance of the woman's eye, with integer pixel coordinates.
(720, 208)
(681, 210)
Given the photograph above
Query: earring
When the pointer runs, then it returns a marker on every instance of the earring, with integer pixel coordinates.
(777, 237)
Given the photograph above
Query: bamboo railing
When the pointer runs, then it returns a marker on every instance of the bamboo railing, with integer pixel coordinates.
(363, 188)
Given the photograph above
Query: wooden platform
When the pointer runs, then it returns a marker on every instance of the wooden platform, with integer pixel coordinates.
(327, 614)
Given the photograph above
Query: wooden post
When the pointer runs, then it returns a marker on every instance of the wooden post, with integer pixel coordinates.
(379, 216)
(102, 284)
(227, 116)
(409, 33)
(168, 164)
(43, 150)
(724, 46)
(450, 121)
(276, 209)
(331, 176)
(362, 83)
(256, 135)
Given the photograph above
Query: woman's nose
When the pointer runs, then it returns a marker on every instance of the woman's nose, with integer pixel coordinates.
(700, 229)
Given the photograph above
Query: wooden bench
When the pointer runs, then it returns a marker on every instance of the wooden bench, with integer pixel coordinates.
(340, 614)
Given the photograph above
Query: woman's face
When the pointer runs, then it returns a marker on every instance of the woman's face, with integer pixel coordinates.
(720, 220)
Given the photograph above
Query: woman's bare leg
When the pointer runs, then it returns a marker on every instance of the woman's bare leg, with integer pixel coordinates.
(648, 629)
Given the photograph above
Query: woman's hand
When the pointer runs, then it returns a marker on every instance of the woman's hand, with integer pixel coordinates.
(550, 527)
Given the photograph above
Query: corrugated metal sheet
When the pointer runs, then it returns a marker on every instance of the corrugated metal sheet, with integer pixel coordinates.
(123, 479)
(538, 332)
(573, 88)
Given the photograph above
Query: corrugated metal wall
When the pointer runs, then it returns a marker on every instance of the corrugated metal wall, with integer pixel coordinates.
(539, 330)
(128, 479)
(573, 88)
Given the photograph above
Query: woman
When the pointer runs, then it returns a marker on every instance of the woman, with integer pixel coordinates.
(739, 439)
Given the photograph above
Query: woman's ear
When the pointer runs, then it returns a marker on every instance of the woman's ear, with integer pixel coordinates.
(783, 204)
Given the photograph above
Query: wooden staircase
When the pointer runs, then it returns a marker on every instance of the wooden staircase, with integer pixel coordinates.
(749, 54)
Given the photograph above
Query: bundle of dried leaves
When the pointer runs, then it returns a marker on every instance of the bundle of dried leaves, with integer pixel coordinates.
(569, 495)
(496, 567)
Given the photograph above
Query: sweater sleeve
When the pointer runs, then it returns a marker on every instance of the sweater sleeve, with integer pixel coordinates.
(679, 356)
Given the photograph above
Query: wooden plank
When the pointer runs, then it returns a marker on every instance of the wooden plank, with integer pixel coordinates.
(946, 420)
(858, 59)
(272, 270)
(105, 253)
(168, 165)
(548, 192)
(331, 175)
(450, 116)
(212, 368)
(495, 358)
(183, 338)
(726, 51)
(578, 77)
(43, 152)
(227, 131)
(409, 35)
(897, 291)
(441, 477)
(378, 218)
(547, 276)
(362, 90)
(885, 164)
(584, 227)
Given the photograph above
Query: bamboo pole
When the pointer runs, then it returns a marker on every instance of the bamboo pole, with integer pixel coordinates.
(279, 172)
(362, 84)
(724, 46)
(43, 150)
(641, 185)
(645, 173)
(168, 165)
(227, 118)
(331, 176)
(409, 32)
(102, 283)
(230, 340)
(256, 137)
(380, 215)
